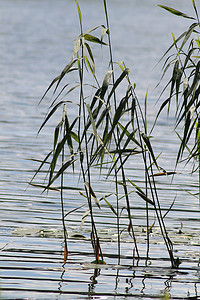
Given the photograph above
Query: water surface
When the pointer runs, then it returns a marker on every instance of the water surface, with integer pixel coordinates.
(36, 42)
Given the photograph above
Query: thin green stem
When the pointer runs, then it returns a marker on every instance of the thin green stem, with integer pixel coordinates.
(117, 139)
(198, 150)
(62, 198)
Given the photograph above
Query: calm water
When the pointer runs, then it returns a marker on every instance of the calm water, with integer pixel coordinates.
(36, 40)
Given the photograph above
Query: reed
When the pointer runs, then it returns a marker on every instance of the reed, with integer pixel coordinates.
(184, 89)
(107, 131)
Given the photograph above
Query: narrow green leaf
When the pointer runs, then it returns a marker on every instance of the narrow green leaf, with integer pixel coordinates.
(148, 145)
(110, 206)
(137, 187)
(73, 210)
(92, 119)
(102, 117)
(42, 163)
(75, 136)
(176, 12)
(91, 57)
(77, 45)
(119, 111)
(79, 13)
(145, 111)
(65, 71)
(128, 134)
(94, 39)
(56, 155)
(195, 9)
(195, 80)
(91, 192)
(84, 217)
(58, 78)
(177, 40)
(104, 30)
(117, 82)
(91, 67)
(169, 208)
(174, 77)
(68, 134)
(51, 113)
(98, 98)
(188, 34)
(45, 187)
(61, 170)
(144, 197)
(166, 102)
(56, 134)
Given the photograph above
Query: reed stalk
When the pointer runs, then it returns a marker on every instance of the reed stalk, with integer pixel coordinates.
(99, 135)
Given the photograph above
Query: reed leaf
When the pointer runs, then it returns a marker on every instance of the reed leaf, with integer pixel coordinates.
(110, 206)
(84, 217)
(61, 171)
(176, 12)
(149, 147)
(73, 210)
(50, 114)
(41, 165)
(91, 58)
(94, 39)
(59, 78)
(56, 154)
(92, 120)
(68, 135)
(91, 192)
(79, 14)
(188, 34)
(45, 187)
(195, 9)
(56, 134)
(129, 135)
(118, 81)
(144, 197)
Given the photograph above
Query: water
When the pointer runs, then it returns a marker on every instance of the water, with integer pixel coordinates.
(36, 40)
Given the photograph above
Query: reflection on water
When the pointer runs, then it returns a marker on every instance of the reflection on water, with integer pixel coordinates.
(31, 266)
(36, 42)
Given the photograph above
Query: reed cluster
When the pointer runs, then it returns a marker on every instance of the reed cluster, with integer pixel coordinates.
(110, 128)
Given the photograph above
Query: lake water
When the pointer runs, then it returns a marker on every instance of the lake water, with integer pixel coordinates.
(36, 38)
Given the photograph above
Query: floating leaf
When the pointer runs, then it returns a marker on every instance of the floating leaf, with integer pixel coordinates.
(98, 262)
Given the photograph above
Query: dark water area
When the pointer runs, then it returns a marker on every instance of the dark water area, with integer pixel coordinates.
(36, 40)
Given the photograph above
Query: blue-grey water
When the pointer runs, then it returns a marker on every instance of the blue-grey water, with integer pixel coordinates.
(36, 38)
